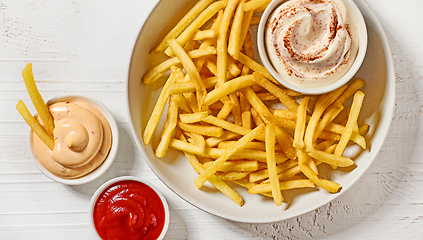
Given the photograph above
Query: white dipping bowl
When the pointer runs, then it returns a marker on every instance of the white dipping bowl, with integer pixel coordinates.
(362, 36)
(107, 162)
(125, 178)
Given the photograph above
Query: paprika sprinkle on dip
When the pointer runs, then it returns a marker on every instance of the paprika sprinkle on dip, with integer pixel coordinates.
(127, 210)
(312, 42)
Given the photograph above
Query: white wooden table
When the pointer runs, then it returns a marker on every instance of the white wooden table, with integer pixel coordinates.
(84, 47)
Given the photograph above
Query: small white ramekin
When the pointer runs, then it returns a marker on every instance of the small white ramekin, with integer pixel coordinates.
(119, 179)
(107, 162)
(362, 31)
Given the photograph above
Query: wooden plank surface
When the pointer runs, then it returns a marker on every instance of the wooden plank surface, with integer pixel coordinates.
(84, 47)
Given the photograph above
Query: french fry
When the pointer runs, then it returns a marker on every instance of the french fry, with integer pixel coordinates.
(210, 131)
(37, 100)
(230, 126)
(263, 174)
(332, 159)
(255, 4)
(324, 145)
(245, 183)
(355, 137)
(215, 153)
(215, 181)
(330, 114)
(249, 52)
(154, 119)
(352, 120)
(285, 142)
(227, 88)
(263, 111)
(252, 145)
(225, 110)
(202, 178)
(285, 185)
(286, 100)
(236, 166)
(322, 103)
(186, 87)
(245, 33)
(188, 32)
(234, 45)
(183, 23)
(198, 140)
(201, 35)
(261, 9)
(257, 119)
(193, 117)
(246, 119)
(301, 123)
(255, 20)
(363, 129)
(266, 96)
(190, 45)
(192, 101)
(290, 115)
(233, 68)
(236, 109)
(256, 67)
(271, 164)
(222, 51)
(189, 66)
(156, 72)
(303, 160)
(351, 89)
(243, 103)
(208, 42)
(211, 66)
(255, 102)
(182, 103)
(287, 175)
(227, 135)
(35, 125)
(216, 106)
(232, 176)
(172, 117)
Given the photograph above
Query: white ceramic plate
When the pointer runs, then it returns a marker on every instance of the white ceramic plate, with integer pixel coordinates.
(175, 171)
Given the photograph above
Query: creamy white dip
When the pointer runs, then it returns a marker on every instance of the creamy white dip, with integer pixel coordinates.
(311, 42)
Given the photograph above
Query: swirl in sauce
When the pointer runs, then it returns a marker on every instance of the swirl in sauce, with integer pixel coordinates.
(311, 42)
(82, 137)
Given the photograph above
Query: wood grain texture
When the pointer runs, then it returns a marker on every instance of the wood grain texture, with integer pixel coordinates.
(84, 47)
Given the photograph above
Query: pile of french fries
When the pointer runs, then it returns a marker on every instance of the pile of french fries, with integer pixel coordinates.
(232, 119)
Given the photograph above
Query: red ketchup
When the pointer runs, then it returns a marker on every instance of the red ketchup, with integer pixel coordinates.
(129, 210)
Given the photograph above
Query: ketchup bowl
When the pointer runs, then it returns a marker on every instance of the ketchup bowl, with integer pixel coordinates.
(128, 208)
(88, 171)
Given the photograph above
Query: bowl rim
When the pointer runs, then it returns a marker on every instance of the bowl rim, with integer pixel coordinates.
(363, 39)
(107, 162)
(124, 178)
